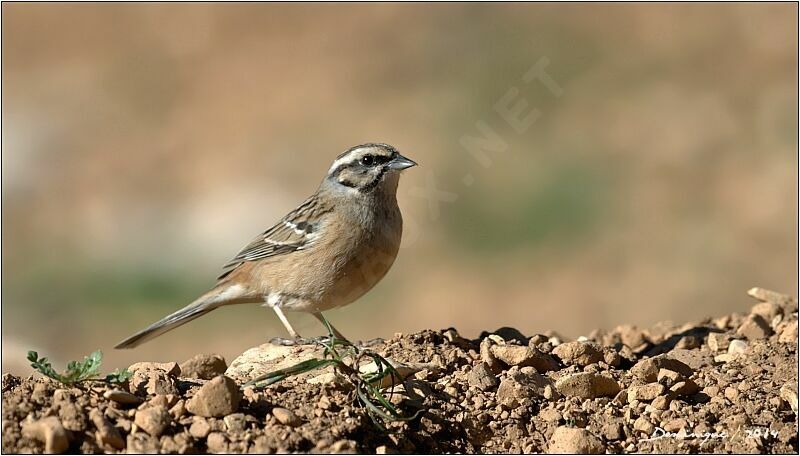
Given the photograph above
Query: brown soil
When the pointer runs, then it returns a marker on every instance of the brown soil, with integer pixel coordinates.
(720, 385)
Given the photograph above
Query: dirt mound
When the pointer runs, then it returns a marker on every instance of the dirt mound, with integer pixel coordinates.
(722, 385)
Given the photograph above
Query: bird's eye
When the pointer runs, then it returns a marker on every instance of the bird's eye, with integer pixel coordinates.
(367, 160)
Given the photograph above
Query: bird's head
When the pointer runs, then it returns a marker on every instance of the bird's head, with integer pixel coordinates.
(367, 168)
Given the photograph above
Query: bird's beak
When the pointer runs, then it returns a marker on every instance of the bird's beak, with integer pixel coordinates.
(400, 162)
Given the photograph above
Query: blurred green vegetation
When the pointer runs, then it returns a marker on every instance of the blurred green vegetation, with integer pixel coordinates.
(126, 293)
(560, 212)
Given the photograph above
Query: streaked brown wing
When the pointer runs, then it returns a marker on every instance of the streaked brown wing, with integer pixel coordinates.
(294, 232)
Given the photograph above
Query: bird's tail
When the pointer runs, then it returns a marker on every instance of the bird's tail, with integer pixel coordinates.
(201, 306)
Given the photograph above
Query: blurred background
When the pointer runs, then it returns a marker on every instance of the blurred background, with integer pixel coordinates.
(145, 144)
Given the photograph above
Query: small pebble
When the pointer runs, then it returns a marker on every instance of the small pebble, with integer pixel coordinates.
(122, 397)
(48, 431)
(286, 416)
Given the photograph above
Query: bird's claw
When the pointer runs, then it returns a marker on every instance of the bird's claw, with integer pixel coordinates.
(321, 340)
(299, 341)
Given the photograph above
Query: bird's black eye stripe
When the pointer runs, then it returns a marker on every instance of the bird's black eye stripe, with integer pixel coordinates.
(370, 160)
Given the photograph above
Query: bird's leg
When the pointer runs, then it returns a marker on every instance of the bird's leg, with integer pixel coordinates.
(295, 340)
(285, 322)
(332, 331)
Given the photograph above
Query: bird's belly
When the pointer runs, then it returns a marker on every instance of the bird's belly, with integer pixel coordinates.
(318, 282)
(358, 276)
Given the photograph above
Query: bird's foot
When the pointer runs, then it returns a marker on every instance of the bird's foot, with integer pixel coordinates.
(361, 345)
(323, 340)
(291, 341)
(301, 341)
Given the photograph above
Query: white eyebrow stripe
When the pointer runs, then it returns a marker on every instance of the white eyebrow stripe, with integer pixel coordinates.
(350, 157)
(337, 163)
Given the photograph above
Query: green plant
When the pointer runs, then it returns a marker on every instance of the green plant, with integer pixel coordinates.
(348, 359)
(118, 376)
(76, 371)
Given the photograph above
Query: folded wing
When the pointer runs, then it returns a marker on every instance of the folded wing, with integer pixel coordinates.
(296, 231)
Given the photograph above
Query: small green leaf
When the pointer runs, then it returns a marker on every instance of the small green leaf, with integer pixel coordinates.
(300, 368)
(119, 376)
(76, 371)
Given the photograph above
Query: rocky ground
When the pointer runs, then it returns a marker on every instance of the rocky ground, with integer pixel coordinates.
(720, 385)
